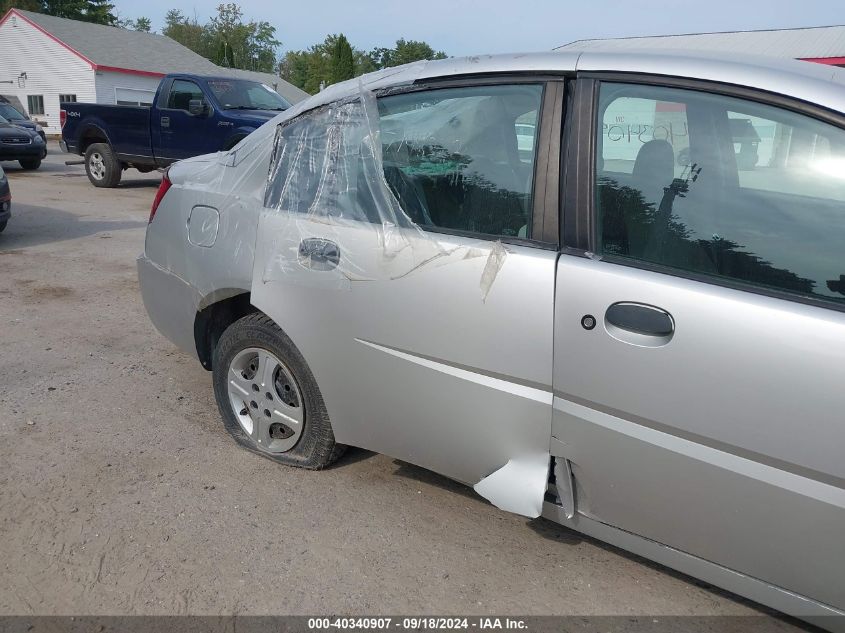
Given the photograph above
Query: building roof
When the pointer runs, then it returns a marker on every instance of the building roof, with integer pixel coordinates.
(813, 43)
(116, 49)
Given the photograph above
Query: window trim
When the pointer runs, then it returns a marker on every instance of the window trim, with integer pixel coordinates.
(31, 112)
(545, 214)
(579, 228)
(170, 90)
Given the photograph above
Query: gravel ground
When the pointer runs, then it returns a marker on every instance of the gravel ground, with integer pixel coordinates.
(121, 493)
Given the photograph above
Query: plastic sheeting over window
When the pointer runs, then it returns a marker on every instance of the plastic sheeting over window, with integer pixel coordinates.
(361, 178)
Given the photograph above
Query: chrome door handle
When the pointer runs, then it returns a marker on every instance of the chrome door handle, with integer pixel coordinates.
(317, 253)
(640, 318)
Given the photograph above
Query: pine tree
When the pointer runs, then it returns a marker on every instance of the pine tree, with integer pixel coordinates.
(342, 63)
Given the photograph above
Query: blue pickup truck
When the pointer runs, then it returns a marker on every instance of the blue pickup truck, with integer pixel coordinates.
(190, 115)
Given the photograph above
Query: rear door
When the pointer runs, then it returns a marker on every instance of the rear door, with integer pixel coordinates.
(418, 279)
(180, 133)
(700, 333)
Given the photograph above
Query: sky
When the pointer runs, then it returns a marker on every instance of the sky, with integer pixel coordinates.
(462, 27)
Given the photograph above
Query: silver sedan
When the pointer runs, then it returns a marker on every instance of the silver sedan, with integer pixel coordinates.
(606, 289)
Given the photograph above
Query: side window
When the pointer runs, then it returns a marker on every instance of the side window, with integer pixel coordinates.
(721, 186)
(181, 94)
(462, 159)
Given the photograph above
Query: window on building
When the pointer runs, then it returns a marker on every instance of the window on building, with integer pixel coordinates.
(35, 104)
(67, 98)
(721, 187)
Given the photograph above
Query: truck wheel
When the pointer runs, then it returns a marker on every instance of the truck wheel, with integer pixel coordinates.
(102, 167)
(268, 397)
(30, 163)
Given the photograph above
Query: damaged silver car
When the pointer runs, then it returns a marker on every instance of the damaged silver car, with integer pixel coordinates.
(607, 289)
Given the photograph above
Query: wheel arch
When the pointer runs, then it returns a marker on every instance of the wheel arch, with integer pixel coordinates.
(91, 134)
(218, 311)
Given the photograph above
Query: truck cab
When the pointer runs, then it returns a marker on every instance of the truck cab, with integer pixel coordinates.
(190, 115)
(197, 115)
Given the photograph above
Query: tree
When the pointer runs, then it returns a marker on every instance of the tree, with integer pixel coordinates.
(143, 24)
(26, 5)
(334, 59)
(342, 62)
(293, 67)
(99, 12)
(187, 31)
(404, 52)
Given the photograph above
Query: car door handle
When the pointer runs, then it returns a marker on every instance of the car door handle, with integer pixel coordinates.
(640, 318)
(317, 253)
(165, 121)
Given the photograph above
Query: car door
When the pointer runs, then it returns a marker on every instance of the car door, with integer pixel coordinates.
(418, 279)
(699, 327)
(180, 133)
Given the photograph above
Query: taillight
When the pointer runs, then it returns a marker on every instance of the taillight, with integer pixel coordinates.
(62, 118)
(162, 190)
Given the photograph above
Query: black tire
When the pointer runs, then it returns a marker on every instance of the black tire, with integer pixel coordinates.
(316, 448)
(3, 225)
(111, 169)
(30, 163)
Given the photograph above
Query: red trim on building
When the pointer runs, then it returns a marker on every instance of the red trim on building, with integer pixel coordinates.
(831, 61)
(114, 69)
(129, 71)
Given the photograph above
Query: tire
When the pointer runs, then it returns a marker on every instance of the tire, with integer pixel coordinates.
(30, 163)
(102, 166)
(3, 225)
(313, 446)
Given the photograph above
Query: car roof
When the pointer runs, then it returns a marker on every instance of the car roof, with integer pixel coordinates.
(815, 83)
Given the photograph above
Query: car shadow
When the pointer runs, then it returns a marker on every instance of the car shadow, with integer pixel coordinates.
(33, 226)
(410, 471)
(352, 455)
(565, 536)
(13, 168)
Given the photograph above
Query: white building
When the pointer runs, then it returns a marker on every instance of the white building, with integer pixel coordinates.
(47, 60)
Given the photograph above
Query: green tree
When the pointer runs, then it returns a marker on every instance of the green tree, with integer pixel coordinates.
(293, 68)
(251, 46)
(26, 5)
(409, 51)
(99, 12)
(143, 24)
(334, 59)
(187, 31)
(341, 62)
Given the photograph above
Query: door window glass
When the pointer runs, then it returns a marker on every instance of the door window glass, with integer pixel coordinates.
(182, 93)
(721, 186)
(462, 159)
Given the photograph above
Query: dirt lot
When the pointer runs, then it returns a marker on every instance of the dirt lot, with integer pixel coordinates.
(121, 493)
